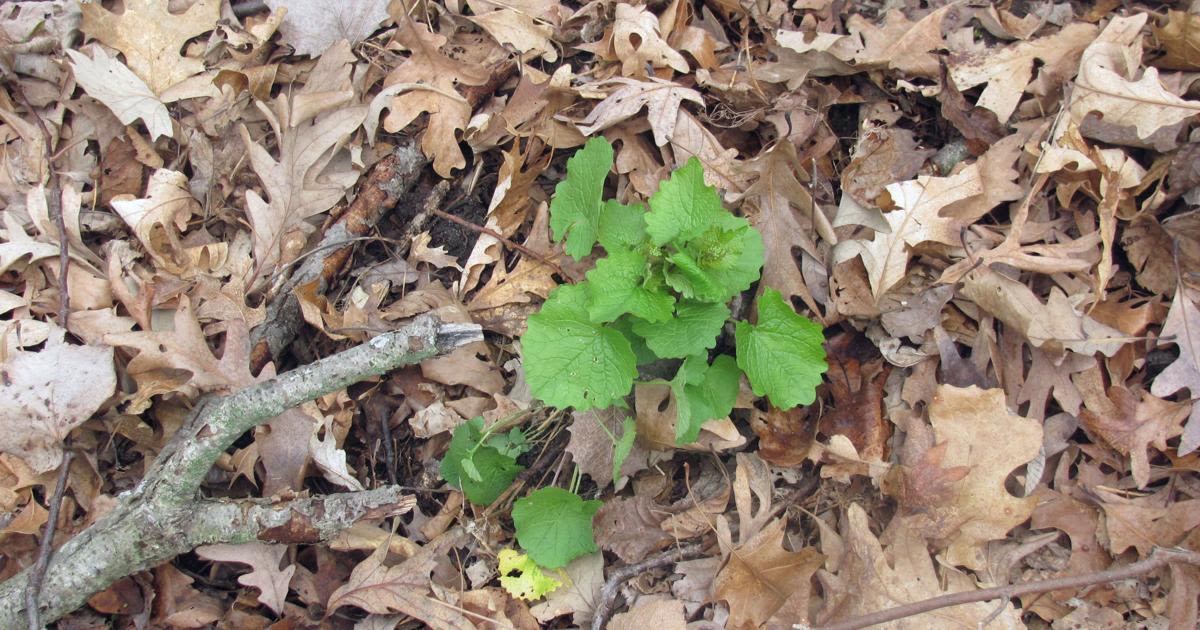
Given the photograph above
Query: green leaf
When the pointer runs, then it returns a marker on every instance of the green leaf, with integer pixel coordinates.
(480, 471)
(722, 262)
(684, 206)
(703, 392)
(576, 208)
(782, 355)
(693, 330)
(618, 285)
(623, 446)
(555, 526)
(640, 350)
(529, 583)
(622, 226)
(570, 361)
(512, 444)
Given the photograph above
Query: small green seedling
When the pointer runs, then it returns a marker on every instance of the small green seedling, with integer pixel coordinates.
(660, 291)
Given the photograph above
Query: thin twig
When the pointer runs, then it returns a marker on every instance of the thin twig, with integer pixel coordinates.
(496, 235)
(1158, 558)
(54, 207)
(608, 595)
(33, 589)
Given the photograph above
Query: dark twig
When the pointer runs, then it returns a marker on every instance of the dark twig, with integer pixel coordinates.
(249, 7)
(496, 235)
(33, 589)
(1158, 558)
(608, 595)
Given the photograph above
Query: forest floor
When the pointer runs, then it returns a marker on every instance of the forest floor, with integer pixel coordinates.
(988, 209)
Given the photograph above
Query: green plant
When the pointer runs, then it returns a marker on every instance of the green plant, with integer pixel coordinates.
(661, 291)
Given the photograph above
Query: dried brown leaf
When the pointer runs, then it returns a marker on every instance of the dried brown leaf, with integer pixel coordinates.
(152, 37)
(46, 394)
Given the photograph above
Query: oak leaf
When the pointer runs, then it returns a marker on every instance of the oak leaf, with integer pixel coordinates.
(1128, 423)
(107, 80)
(310, 127)
(637, 41)
(518, 29)
(760, 576)
(916, 220)
(159, 219)
(151, 37)
(1146, 522)
(579, 594)
(1007, 71)
(786, 216)
(448, 111)
(266, 576)
(1180, 37)
(180, 360)
(1183, 328)
(661, 614)
(1105, 84)
(983, 434)
(872, 578)
(661, 98)
(312, 27)
(404, 587)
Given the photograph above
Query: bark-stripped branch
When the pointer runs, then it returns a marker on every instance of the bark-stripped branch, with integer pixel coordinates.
(163, 517)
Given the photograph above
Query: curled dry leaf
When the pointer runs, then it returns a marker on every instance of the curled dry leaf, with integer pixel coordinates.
(159, 219)
(1105, 84)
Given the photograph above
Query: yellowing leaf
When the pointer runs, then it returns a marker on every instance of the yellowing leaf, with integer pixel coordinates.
(529, 582)
(107, 80)
(151, 37)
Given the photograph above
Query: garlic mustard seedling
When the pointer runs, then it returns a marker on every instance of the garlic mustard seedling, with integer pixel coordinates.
(661, 291)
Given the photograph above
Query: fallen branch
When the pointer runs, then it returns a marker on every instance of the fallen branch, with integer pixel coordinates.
(1158, 558)
(163, 517)
(608, 595)
(390, 179)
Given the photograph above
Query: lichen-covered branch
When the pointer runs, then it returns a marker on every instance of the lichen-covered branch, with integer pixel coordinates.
(163, 516)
